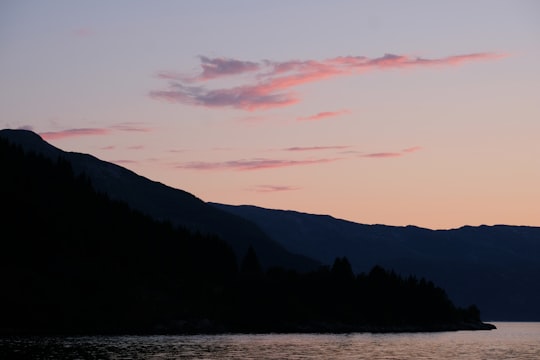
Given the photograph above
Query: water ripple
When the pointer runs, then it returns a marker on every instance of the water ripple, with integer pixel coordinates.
(509, 341)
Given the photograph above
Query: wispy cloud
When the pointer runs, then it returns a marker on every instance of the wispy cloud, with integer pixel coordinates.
(217, 67)
(77, 132)
(323, 115)
(271, 83)
(273, 188)
(132, 127)
(55, 135)
(241, 97)
(178, 151)
(113, 147)
(170, 75)
(316, 148)
(272, 163)
(252, 164)
(412, 149)
(382, 155)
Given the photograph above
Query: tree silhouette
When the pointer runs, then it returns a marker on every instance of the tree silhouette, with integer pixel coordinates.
(250, 266)
(341, 271)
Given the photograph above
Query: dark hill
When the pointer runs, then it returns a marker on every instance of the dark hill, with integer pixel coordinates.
(165, 203)
(495, 267)
(74, 261)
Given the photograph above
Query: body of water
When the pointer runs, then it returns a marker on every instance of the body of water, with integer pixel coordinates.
(508, 341)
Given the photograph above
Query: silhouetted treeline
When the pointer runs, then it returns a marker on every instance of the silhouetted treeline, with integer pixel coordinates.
(335, 299)
(74, 261)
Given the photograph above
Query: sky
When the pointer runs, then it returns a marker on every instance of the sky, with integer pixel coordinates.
(421, 113)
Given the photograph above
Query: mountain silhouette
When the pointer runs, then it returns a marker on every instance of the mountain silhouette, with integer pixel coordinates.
(74, 261)
(495, 267)
(165, 203)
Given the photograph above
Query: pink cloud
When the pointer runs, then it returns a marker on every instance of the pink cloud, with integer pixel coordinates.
(241, 97)
(392, 154)
(383, 155)
(459, 59)
(323, 115)
(271, 83)
(401, 61)
(316, 148)
(412, 149)
(133, 127)
(253, 164)
(56, 135)
(273, 188)
(62, 134)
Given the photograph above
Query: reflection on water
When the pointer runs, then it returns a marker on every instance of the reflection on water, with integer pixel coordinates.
(509, 341)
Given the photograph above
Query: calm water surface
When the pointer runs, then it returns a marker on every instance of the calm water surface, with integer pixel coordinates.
(509, 341)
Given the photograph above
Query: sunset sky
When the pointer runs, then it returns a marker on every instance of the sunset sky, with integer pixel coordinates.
(390, 112)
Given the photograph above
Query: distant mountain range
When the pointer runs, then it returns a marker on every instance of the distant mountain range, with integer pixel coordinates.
(494, 267)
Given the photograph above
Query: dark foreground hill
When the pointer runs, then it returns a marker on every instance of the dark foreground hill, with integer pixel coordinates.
(495, 267)
(165, 203)
(74, 261)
